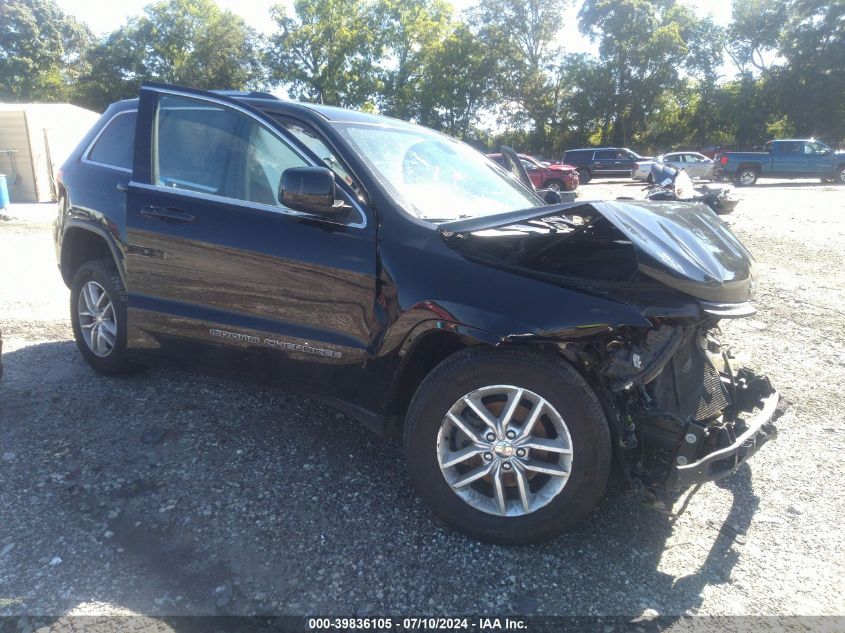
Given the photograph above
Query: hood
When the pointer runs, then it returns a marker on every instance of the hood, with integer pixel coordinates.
(681, 245)
(562, 167)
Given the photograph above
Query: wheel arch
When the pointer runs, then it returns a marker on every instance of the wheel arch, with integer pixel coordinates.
(82, 243)
(757, 167)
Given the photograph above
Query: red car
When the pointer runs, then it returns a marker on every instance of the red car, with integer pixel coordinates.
(559, 177)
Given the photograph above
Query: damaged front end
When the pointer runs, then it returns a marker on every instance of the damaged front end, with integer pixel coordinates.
(685, 416)
(680, 413)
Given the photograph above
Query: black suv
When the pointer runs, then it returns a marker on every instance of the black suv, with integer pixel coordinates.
(602, 161)
(518, 347)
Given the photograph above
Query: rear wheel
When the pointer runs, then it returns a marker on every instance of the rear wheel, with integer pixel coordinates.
(508, 446)
(746, 177)
(554, 185)
(840, 176)
(98, 316)
(584, 176)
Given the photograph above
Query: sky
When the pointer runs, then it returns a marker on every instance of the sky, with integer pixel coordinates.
(104, 17)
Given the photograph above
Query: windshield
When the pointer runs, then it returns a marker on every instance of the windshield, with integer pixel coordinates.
(434, 177)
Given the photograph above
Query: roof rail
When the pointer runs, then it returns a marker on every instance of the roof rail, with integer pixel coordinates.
(249, 94)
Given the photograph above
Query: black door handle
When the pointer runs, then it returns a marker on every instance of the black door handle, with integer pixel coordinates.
(168, 214)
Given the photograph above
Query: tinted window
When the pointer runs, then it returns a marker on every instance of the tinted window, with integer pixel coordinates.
(315, 143)
(787, 148)
(578, 155)
(204, 147)
(605, 154)
(115, 145)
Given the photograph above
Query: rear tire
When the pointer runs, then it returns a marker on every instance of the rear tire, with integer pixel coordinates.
(840, 176)
(746, 177)
(584, 176)
(98, 316)
(552, 506)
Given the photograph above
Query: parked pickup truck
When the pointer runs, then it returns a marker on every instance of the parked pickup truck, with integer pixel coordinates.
(788, 158)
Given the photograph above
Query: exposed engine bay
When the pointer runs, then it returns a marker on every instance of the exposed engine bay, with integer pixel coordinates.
(681, 414)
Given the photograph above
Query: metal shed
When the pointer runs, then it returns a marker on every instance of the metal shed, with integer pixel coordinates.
(35, 139)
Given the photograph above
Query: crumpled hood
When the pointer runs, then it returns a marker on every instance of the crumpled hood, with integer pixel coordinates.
(682, 245)
(685, 246)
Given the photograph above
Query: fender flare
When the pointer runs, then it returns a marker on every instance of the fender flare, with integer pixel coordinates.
(73, 225)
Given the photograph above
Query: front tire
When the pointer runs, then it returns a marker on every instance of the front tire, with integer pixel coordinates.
(98, 315)
(584, 176)
(554, 185)
(507, 445)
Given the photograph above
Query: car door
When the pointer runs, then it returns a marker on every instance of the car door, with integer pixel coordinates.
(515, 166)
(697, 166)
(625, 162)
(788, 158)
(218, 271)
(535, 173)
(674, 160)
(819, 159)
(604, 161)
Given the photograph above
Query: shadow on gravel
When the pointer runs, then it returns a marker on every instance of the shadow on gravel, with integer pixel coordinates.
(169, 493)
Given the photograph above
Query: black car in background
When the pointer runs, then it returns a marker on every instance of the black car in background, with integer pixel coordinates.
(603, 161)
(518, 347)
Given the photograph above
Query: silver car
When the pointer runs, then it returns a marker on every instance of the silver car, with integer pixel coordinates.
(697, 165)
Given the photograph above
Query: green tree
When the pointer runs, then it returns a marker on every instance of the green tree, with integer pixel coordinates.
(456, 86)
(809, 87)
(41, 50)
(189, 42)
(327, 53)
(521, 36)
(643, 48)
(754, 32)
(409, 31)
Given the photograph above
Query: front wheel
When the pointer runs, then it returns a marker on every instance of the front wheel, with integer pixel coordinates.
(554, 185)
(98, 317)
(508, 446)
(746, 177)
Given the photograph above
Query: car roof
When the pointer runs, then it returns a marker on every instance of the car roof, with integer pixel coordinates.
(265, 101)
(591, 149)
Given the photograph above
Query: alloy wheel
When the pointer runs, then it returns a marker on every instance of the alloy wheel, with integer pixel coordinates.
(504, 450)
(747, 177)
(96, 319)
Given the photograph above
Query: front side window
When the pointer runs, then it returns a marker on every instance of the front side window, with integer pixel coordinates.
(116, 144)
(208, 148)
(434, 177)
(312, 140)
(814, 147)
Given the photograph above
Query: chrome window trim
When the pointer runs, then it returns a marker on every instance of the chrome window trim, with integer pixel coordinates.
(255, 205)
(86, 154)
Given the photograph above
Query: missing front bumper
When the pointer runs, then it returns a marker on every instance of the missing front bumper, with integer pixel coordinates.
(725, 461)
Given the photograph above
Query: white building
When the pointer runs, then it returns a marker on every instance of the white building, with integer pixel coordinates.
(35, 139)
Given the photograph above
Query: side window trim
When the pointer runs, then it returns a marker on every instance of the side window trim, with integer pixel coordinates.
(235, 201)
(87, 153)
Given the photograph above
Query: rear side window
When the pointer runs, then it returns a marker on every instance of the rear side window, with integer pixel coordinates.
(607, 153)
(578, 155)
(116, 143)
(209, 148)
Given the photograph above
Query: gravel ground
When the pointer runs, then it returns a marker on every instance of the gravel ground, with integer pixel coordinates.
(169, 493)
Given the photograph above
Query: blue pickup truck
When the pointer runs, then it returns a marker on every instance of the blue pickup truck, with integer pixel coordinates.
(788, 158)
